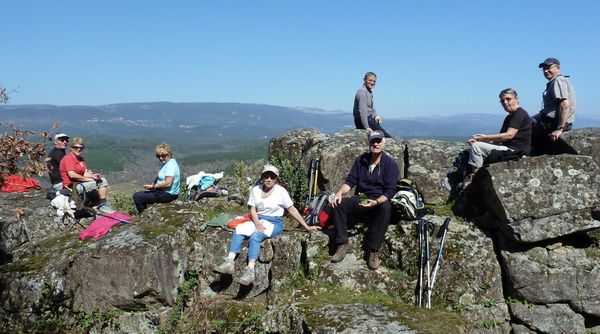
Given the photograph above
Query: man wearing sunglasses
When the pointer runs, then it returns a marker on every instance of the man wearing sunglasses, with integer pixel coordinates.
(53, 160)
(375, 176)
(74, 169)
(558, 108)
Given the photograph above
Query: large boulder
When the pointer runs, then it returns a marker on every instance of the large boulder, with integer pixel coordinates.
(555, 274)
(540, 198)
(584, 141)
(428, 163)
(551, 318)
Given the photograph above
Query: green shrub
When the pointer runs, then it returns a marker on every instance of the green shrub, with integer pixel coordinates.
(293, 174)
(124, 203)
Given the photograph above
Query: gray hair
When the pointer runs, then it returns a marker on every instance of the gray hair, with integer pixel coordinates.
(369, 74)
(508, 91)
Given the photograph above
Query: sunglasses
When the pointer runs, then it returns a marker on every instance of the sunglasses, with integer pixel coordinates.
(547, 67)
(78, 148)
(160, 156)
(64, 140)
(269, 176)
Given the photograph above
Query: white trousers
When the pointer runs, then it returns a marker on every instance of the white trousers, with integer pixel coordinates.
(481, 150)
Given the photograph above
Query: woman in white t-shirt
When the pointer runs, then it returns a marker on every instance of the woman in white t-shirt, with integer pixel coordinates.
(267, 203)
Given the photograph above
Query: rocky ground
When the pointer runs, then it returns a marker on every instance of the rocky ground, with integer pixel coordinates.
(521, 256)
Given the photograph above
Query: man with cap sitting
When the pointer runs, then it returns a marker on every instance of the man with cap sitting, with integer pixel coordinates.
(375, 176)
(53, 160)
(558, 108)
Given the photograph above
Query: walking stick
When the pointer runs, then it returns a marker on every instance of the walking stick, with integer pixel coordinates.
(419, 288)
(427, 272)
(438, 259)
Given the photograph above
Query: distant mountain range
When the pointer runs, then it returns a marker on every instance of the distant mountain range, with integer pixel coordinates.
(206, 121)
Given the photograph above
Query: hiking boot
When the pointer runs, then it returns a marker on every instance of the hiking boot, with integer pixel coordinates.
(247, 277)
(341, 252)
(373, 261)
(105, 208)
(227, 267)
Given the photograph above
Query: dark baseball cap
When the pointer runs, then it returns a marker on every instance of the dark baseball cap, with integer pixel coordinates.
(375, 135)
(548, 62)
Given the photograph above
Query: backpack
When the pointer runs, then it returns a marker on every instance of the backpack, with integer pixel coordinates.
(317, 212)
(408, 199)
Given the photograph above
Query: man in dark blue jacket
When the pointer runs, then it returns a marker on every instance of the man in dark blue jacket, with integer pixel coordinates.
(375, 175)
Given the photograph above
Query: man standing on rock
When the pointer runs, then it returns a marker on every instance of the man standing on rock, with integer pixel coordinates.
(375, 176)
(558, 108)
(53, 160)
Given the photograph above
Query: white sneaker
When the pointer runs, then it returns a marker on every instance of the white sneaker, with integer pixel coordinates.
(247, 277)
(227, 267)
(105, 208)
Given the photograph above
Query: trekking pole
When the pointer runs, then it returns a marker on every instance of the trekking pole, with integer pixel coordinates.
(114, 218)
(310, 179)
(419, 288)
(438, 258)
(427, 272)
(317, 167)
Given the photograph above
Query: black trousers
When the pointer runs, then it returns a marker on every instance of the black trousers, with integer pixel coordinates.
(143, 198)
(541, 128)
(378, 220)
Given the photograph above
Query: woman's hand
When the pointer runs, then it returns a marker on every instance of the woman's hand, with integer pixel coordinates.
(259, 226)
(312, 228)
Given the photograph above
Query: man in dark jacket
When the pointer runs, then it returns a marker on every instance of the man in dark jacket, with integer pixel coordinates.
(53, 160)
(375, 176)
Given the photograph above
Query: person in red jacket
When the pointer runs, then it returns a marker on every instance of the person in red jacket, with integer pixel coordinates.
(74, 169)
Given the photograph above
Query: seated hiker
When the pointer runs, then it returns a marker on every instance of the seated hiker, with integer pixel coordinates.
(515, 135)
(374, 174)
(73, 169)
(365, 116)
(558, 111)
(166, 186)
(61, 140)
(267, 202)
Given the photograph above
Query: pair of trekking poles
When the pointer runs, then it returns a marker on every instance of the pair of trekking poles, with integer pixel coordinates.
(425, 229)
(313, 178)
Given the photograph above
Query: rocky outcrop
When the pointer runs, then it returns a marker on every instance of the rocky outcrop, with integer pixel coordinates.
(525, 259)
(540, 198)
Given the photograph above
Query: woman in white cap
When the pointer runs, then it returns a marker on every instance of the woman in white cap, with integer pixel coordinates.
(267, 202)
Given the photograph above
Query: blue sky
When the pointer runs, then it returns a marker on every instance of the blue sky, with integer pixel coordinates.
(431, 57)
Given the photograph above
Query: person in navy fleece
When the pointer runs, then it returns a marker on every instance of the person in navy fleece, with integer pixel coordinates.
(375, 176)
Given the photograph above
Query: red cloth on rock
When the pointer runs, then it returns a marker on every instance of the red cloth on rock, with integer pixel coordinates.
(13, 183)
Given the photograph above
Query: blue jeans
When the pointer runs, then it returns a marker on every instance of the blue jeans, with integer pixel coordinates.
(256, 238)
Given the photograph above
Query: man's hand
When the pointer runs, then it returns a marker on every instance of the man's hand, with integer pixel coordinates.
(555, 134)
(370, 203)
(337, 199)
(378, 120)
